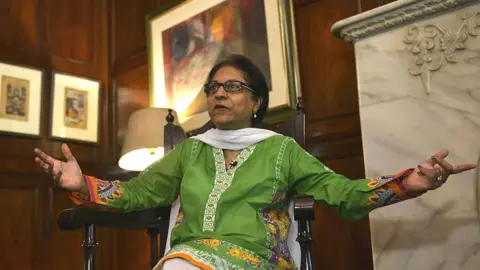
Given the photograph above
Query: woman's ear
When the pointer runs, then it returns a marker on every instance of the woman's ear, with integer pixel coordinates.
(258, 103)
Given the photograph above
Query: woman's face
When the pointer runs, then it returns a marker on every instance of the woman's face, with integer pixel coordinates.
(232, 110)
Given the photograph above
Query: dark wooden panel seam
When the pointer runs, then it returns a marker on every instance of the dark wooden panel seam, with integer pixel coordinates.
(332, 128)
(303, 3)
(95, 39)
(128, 63)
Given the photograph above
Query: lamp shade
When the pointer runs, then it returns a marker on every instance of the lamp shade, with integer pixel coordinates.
(144, 139)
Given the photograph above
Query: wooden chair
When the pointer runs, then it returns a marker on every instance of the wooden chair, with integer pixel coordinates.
(156, 221)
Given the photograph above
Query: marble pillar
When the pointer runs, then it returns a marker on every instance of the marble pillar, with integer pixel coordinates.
(418, 72)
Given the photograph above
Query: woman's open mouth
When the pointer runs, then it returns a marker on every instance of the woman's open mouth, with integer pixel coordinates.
(220, 107)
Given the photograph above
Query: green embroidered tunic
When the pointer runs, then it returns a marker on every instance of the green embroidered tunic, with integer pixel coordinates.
(237, 218)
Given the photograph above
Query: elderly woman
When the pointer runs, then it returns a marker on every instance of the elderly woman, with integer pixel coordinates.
(235, 181)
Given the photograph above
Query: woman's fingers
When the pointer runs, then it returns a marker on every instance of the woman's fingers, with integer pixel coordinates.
(463, 167)
(47, 167)
(439, 155)
(44, 157)
(447, 167)
(49, 164)
(439, 158)
(42, 164)
(67, 153)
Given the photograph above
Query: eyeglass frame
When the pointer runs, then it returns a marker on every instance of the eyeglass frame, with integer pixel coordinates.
(242, 84)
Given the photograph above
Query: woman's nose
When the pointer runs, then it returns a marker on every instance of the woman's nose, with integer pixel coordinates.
(220, 93)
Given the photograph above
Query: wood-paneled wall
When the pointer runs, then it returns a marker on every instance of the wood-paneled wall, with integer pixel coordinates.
(106, 40)
(333, 134)
(130, 87)
(67, 36)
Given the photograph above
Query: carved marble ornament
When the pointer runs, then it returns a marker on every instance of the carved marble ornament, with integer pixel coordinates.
(434, 45)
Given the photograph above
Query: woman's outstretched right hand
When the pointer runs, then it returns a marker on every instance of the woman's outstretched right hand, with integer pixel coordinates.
(67, 175)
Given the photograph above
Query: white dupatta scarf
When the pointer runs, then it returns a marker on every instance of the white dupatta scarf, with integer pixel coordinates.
(234, 139)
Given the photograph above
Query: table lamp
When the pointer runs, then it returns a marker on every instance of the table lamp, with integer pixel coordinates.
(151, 132)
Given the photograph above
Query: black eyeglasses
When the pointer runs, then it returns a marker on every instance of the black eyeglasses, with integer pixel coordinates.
(229, 86)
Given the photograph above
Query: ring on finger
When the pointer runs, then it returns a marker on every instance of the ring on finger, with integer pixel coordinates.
(55, 180)
(441, 178)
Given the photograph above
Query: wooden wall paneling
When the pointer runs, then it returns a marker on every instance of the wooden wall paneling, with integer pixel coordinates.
(86, 21)
(334, 127)
(132, 95)
(22, 193)
(20, 45)
(129, 80)
(131, 248)
(61, 241)
(76, 34)
(19, 35)
(18, 234)
(71, 27)
(71, 37)
(329, 88)
(301, 3)
(384, 2)
(348, 147)
(352, 238)
(23, 229)
(129, 40)
(106, 133)
(366, 5)
(128, 52)
(129, 63)
(80, 48)
(326, 63)
(17, 154)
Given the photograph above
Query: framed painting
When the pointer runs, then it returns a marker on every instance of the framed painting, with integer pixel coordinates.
(75, 108)
(187, 39)
(20, 99)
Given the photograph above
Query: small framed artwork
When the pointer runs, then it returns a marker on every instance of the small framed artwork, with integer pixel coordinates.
(75, 108)
(185, 41)
(20, 99)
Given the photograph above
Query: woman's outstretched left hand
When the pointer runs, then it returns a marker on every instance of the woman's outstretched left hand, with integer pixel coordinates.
(433, 173)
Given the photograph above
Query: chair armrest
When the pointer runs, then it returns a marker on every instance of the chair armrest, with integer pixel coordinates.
(304, 207)
(304, 213)
(103, 216)
(89, 216)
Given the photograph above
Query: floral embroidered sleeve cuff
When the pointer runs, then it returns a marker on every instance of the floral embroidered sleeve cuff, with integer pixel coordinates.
(100, 191)
(387, 190)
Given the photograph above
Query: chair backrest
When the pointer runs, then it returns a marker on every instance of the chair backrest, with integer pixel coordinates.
(294, 127)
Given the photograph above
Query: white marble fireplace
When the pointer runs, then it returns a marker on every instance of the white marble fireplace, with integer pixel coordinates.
(418, 73)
